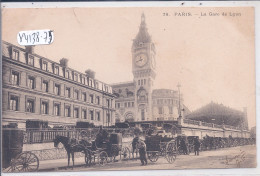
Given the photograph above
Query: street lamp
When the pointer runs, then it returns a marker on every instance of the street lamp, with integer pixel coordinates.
(179, 99)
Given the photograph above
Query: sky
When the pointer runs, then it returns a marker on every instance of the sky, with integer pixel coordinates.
(212, 57)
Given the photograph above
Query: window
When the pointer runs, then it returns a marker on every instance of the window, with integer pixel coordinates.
(45, 86)
(139, 82)
(75, 77)
(98, 100)
(91, 114)
(108, 117)
(57, 109)
(76, 112)
(98, 116)
(118, 105)
(160, 109)
(31, 82)
(143, 114)
(67, 111)
(144, 81)
(84, 114)
(125, 104)
(57, 89)
(13, 103)
(30, 106)
(91, 98)
(56, 70)
(44, 66)
(83, 81)
(30, 60)
(76, 94)
(67, 75)
(15, 78)
(16, 54)
(170, 110)
(67, 92)
(108, 103)
(44, 107)
(133, 104)
(84, 97)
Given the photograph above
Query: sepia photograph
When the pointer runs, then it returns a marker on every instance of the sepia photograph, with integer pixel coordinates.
(128, 88)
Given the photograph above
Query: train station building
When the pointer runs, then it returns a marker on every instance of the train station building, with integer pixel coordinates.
(137, 100)
(35, 87)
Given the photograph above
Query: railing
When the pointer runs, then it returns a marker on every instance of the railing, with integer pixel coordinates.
(193, 122)
(43, 136)
(207, 124)
(47, 135)
(218, 126)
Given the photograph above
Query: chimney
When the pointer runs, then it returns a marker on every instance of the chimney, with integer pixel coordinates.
(90, 73)
(29, 49)
(64, 62)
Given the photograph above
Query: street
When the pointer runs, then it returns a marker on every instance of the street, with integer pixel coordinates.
(235, 157)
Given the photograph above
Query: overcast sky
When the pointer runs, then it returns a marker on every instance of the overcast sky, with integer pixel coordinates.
(211, 57)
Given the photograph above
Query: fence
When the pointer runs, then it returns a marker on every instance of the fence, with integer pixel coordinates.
(43, 136)
(193, 122)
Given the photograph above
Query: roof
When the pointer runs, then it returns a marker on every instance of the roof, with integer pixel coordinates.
(143, 35)
(218, 114)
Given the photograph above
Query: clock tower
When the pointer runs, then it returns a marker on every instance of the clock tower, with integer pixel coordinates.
(144, 71)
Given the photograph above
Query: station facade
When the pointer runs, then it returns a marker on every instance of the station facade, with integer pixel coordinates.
(137, 100)
(35, 87)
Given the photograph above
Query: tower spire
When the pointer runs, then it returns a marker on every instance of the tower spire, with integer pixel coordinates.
(143, 18)
(143, 35)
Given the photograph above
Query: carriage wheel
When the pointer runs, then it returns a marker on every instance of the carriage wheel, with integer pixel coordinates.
(171, 157)
(171, 152)
(25, 162)
(126, 153)
(102, 158)
(153, 156)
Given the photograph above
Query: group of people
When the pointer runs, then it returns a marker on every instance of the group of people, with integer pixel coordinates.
(139, 145)
(184, 146)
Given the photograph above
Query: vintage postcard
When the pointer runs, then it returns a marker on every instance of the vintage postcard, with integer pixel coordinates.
(128, 88)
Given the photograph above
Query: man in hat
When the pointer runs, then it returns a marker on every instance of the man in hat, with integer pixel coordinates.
(142, 151)
(196, 146)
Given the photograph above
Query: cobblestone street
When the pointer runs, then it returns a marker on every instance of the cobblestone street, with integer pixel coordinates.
(235, 157)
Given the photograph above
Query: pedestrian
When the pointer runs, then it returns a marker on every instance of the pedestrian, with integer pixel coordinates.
(134, 144)
(184, 146)
(196, 146)
(142, 151)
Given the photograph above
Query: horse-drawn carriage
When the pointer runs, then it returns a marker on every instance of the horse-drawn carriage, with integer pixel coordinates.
(157, 146)
(14, 159)
(95, 151)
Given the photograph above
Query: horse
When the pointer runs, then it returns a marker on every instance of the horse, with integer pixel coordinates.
(71, 147)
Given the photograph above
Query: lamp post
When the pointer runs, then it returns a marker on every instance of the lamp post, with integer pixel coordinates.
(179, 99)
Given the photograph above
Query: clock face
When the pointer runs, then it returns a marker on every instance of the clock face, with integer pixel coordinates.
(140, 60)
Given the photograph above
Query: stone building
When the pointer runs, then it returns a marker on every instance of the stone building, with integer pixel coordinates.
(137, 100)
(35, 87)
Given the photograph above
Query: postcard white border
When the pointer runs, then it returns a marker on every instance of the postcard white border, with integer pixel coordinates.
(214, 172)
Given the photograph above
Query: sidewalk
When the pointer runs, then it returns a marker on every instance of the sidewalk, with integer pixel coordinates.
(51, 165)
(60, 164)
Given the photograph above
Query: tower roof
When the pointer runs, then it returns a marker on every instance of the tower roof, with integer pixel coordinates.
(143, 35)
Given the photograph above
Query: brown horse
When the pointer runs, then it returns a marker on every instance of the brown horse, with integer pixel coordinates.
(71, 147)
